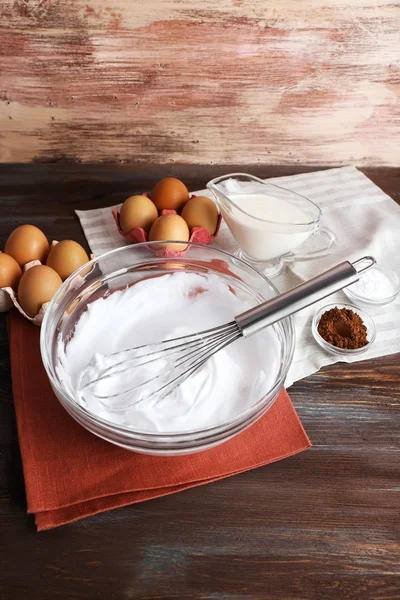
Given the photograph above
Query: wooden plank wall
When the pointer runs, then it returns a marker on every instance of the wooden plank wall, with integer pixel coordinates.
(227, 81)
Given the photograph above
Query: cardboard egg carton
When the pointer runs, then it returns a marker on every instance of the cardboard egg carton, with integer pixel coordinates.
(138, 235)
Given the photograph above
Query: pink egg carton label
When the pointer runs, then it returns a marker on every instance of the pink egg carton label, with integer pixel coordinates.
(138, 235)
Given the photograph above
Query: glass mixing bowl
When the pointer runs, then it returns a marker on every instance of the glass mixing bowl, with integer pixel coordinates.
(125, 267)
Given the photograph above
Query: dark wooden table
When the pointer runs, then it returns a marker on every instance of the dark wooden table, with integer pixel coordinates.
(321, 525)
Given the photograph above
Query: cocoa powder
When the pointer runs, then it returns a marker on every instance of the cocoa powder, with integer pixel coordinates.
(343, 328)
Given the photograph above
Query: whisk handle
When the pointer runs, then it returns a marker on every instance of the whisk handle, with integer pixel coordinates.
(301, 296)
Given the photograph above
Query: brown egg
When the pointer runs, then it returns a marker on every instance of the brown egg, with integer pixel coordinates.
(170, 194)
(37, 286)
(170, 227)
(137, 211)
(10, 272)
(27, 243)
(65, 257)
(201, 212)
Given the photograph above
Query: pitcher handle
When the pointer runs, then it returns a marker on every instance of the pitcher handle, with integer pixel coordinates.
(328, 241)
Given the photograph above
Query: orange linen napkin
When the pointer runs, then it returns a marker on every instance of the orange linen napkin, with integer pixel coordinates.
(70, 473)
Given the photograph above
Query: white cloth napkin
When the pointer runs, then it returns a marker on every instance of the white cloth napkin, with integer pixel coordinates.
(365, 220)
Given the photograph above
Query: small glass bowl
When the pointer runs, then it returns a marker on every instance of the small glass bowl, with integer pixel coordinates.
(363, 300)
(368, 322)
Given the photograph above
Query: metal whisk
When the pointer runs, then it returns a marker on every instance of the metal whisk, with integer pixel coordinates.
(172, 361)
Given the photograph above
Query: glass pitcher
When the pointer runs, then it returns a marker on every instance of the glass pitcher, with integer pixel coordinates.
(270, 222)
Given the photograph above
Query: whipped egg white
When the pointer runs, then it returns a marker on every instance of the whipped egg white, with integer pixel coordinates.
(160, 308)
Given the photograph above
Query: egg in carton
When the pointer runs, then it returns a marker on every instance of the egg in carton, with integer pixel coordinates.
(197, 234)
(9, 298)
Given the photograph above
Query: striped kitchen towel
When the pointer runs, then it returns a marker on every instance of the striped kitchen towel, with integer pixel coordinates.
(366, 221)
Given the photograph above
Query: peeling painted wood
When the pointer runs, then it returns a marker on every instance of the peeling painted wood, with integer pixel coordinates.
(241, 81)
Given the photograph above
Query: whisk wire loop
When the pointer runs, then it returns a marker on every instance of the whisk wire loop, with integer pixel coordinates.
(200, 345)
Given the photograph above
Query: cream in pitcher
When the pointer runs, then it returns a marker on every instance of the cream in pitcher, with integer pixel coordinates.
(267, 221)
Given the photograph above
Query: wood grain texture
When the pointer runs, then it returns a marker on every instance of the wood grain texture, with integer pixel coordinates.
(324, 524)
(234, 81)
